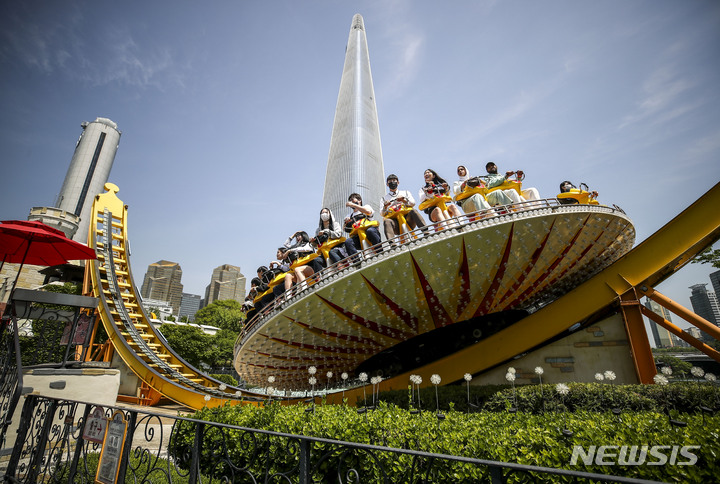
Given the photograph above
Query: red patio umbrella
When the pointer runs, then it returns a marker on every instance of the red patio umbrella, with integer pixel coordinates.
(35, 243)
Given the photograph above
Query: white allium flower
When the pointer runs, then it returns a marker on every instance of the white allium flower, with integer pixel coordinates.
(270, 390)
(539, 370)
(418, 379)
(312, 370)
(435, 379)
(599, 376)
(562, 389)
(697, 371)
(710, 377)
(467, 377)
(666, 370)
(344, 375)
(660, 379)
(312, 380)
(222, 387)
(271, 379)
(610, 375)
(363, 377)
(374, 380)
(207, 398)
(511, 370)
(329, 374)
(412, 378)
(510, 376)
(238, 393)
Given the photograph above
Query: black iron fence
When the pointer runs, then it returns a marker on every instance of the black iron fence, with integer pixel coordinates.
(57, 442)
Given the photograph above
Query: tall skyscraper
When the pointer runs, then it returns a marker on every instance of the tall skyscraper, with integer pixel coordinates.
(162, 281)
(663, 338)
(227, 282)
(88, 172)
(355, 162)
(715, 281)
(705, 305)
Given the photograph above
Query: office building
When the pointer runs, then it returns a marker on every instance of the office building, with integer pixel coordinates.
(662, 337)
(189, 305)
(227, 282)
(88, 172)
(715, 281)
(162, 282)
(355, 162)
(705, 305)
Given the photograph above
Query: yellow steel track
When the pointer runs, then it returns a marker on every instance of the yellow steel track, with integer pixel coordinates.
(130, 331)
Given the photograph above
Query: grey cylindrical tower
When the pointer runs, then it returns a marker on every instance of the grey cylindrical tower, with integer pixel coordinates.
(89, 170)
(355, 162)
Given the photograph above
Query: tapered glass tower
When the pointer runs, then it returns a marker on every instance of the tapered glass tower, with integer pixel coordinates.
(355, 162)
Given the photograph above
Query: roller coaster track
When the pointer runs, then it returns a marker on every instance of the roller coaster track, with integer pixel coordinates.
(125, 321)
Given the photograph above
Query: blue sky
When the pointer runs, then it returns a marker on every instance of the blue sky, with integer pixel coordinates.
(226, 108)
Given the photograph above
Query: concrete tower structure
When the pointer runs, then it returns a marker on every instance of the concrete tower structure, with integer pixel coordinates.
(227, 282)
(89, 171)
(355, 162)
(162, 282)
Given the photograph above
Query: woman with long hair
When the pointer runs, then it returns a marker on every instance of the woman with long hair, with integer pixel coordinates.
(436, 186)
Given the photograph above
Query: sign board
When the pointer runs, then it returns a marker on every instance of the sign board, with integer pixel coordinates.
(95, 426)
(112, 449)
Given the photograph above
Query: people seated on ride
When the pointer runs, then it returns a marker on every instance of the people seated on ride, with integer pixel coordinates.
(359, 220)
(570, 194)
(248, 306)
(493, 179)
(329, 230)
(467, 192)
(433, 195)
(396, 202)
(264, 293)
(299, 247)
(280, 267)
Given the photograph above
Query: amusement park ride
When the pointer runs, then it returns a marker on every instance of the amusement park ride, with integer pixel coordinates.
(463, 295)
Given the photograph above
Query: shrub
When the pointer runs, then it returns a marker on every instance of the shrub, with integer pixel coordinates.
(525, 438)
(225, 378)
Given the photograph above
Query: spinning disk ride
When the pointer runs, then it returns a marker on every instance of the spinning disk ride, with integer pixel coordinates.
(446, 287)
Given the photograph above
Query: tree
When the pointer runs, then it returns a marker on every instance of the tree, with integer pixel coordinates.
(189, 342)
(708, 256)
(225, 314)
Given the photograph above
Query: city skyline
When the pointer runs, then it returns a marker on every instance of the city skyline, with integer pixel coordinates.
(217, 135)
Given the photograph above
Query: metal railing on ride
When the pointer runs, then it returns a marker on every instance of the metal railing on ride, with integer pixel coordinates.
(151, 447)
(414, 238)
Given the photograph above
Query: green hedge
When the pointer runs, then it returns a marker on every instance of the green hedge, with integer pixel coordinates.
(524, 438)
(598, 397)
(595, 397)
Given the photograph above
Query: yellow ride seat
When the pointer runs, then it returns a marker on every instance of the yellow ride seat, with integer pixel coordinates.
(277, 279)
(578, 195)
(359, 229)
(303, 261)
(325, 248)
(396, 210)
(439, 201)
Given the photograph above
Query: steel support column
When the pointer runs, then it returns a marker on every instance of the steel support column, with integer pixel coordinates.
(639, 344)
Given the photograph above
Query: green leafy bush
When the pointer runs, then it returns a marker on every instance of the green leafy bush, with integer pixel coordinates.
(522, 437)
(599, 397)
(225, 378)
